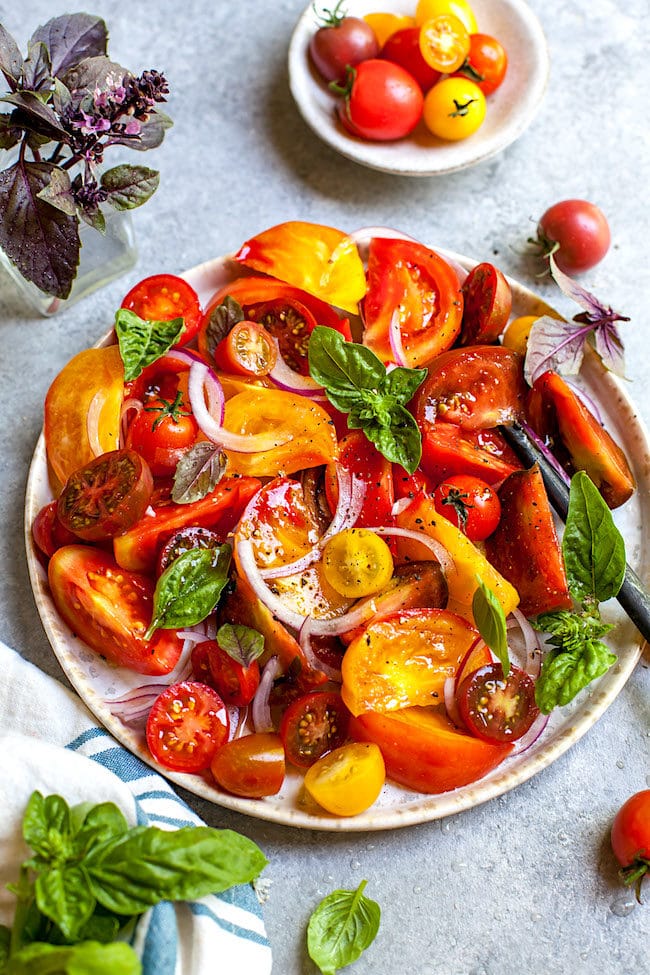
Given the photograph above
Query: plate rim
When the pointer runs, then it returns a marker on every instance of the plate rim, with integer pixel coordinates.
(421, 807)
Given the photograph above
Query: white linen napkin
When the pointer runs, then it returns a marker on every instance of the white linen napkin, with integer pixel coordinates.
(50, 742)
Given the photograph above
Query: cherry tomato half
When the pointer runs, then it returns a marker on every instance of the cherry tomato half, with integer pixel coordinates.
(48, 532)
(382, 101)
(109, 609)
(162, 297)
(252, 766)
(630, 839)
(312, 725)
(444, 42)
(187, 723)
(454, 109)
(470, 504)
(486, 62)
(236, 683)
(247, 350)
(347, 780)
(357, 563)
(487, 302)
(576, 232)
(161, 433)
(403, 47)
(497, 708)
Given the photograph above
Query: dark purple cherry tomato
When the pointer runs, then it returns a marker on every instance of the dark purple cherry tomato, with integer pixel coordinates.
(341, 41)
(497, 708)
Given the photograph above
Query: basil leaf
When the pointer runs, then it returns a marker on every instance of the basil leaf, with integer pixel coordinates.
(5, 942)
(71, 38)
(101, 823)
(340, 365)
(142, 342)
(491, 623)
(592, 546)
(403, 383)
(401, 443)
(341, 928)
(566, 672)
(86, 958)
(63, 895)
(128, 186)
(198, 472)
(189, 588)
(11, 60)
(242, 643)
(222, 319)
(134, 872)
(46, 824)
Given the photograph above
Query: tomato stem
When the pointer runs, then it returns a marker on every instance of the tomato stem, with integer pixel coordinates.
(632, 876)
(330, 18)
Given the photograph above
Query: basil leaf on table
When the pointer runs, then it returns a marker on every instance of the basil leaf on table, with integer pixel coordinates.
(142, 342)
(242, 643)
(189, 588)
(343, 925)
(356, 382)
(491, 623)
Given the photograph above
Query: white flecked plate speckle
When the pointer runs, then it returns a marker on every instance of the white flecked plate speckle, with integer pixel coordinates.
(98, 683)
(509, 110)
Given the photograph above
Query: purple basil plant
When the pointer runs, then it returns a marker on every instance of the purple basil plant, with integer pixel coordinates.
(67, 104)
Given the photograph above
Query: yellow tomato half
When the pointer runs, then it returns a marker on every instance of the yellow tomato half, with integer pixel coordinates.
(427, 9)
(348, 780)
(357, 563)
(444, 43)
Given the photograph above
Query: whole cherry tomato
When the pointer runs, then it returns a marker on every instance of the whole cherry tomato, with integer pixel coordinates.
(381, 101)
(630, 839)
(576, 232)
(428, 9)
(469, 503)
(252, 766)
(341, 41)
(486, 63)
(403, 47)
(161, 433)
(454, 108)
(347, 780)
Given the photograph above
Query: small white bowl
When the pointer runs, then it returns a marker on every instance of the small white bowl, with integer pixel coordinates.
(510, 109)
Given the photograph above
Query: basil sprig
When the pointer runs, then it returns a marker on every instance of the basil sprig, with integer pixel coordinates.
(594, 557)
(343, 925)
(189, 589)
(357, 383)
(143, 342)
(491, 623)
(90, 873)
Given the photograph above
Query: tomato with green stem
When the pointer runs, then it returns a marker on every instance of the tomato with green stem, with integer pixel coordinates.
(630, 838)
(187, 723)
(162, 431)
(380, 101)
(576, 232)
(496, 708)
(486, 62)
(340, 41)
(162, 297)
(470, 504)
(454, 109)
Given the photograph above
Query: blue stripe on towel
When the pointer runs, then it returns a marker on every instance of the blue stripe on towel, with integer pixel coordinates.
(201, 910)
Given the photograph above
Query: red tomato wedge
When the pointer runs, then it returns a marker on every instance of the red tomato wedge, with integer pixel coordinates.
(448, 450)
(408, 277)
(487, 305)
(363, 460)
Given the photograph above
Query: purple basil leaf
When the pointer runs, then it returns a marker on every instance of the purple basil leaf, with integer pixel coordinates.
(61, 97)
(37, 74)
(240, 642)
(150, 136)
(41, 240)
(129, 186)
(554, 344)
(198, 472)
(93, 216)
(58, 192)
(11, 60)
(92, 73)
(72, 38)
(575, 291)
(36, 115)
(607, 342)
(9, 134)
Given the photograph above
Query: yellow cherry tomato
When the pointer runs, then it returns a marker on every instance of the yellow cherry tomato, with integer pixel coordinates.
(385, 25)
(427, 9)
(454, 109)
(357, 562)
(516, 334)
(348, 780)
(444, 43)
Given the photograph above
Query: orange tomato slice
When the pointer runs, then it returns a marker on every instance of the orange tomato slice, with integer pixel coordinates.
(444, 43)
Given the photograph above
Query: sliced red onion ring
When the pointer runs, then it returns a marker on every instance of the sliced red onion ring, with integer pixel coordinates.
(343, 624)
(280, 610)
(294, 382)
(131, 404)
(260, 705)
(210, 417)
(531, 736)
(400, 506)
(451, 704)
(92, 422)
(133, 708)
(304, 639)
(532, 661)
(395, 336)
(438, 550)
(460, 673)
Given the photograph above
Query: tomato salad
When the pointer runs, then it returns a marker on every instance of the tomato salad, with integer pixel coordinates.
(322, 551)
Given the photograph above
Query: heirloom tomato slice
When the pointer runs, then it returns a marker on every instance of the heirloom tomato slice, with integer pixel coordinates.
(424, 751)
(163, 297)
(187, 723)
(364, 462)
(84, 401)
(404, 659)
(409, 279)
(487, 305)
(447, 450)
(110, 609)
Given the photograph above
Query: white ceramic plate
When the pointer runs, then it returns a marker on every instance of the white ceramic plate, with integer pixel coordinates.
(510, 109)
(98, 683)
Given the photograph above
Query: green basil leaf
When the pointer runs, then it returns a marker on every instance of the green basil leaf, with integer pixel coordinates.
(189, 588)
(86, 958)
(401, 443)
(491, 623)
(242, 643)
(198, 472)
(592, 546)
(63, 895)
(46, 824)
(343, 925)
(566, 672)
(340, 365)
(136, 871)
(101, 927)
(222, 320)
(5, 942)
(99, 824)
(129, 186)
(142, 342)
(403, 383)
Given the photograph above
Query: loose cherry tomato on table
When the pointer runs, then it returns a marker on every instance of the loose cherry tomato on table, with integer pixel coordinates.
(247, 350)
(252, 766)
(162, 297)
(187, 723)
(487, 302)
(630, 838)
(403, 47)
(576, 232)
(454, 109)
(162, 431)
(380, 101)
(428, 9)
(235, 683)
(312, 725)
(497, 708)
(470, 504)
(486, 62)
(341, 41)
(109, 609)
(347, 780)
(444, 43)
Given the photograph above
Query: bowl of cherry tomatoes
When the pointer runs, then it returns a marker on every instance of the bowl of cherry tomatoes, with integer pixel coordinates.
(423, 88)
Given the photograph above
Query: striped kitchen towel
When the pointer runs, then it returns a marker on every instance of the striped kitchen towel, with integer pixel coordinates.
(50, 742)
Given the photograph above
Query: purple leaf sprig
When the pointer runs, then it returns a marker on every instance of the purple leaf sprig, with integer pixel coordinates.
(560, 345)
(67, 104)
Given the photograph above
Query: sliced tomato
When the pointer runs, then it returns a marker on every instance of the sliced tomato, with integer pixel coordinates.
(497, 708)
(187, 723)
(236, 683)
(558, 414)
(313, 725)
(362, 459)
(404, 659)
(291, 323)
(447, 450)
(184, 540)
(162, 297)
(48, 532)
(525, 547)
(409, 279)
(487, 305)
(247, 350)
(138, 548)
(110, 609)
(252, 766)
(424, 751)
(347, 780)
(106, 497)
(407, 485)
(476, 388)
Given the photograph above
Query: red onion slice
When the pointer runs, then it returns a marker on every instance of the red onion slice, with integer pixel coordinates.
(436, 549)
(451, 704)
(260, 705)
(532, 658)
(210, 416)
(133, 707)
(347, 622)
(395, 336)
(246, 558)
(304, 639)
(531, 736)
(92, 422)
(294, 382)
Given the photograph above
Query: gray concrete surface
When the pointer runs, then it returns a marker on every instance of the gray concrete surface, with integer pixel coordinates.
(527, 882)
